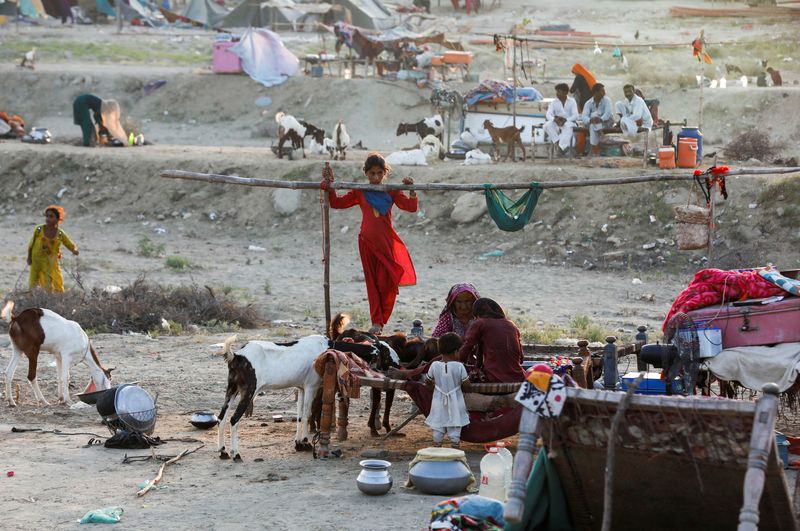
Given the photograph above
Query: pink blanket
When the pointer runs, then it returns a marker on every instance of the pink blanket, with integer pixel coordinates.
(713, 286)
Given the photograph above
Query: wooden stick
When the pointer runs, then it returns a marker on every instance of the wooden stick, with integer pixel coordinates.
(152, 483)
(326, 255)
(468, 187)
(402, 425)
(611, 452)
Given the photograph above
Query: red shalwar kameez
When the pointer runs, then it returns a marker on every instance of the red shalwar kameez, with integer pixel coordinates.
(384, 256)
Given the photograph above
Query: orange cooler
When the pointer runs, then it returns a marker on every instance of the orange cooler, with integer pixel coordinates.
(687, 152)
(666, 157)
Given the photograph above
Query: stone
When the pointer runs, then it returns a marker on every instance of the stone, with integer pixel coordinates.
(374, 453)
(614, 240)
(468, 208)
(286, 201)
(648, 246)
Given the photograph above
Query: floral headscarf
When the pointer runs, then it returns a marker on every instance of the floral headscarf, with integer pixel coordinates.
(447, 321)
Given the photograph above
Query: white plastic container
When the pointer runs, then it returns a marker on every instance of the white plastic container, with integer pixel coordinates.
(508, 459)
(493, 476)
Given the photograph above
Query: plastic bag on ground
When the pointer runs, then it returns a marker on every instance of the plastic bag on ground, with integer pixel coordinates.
(108, 515)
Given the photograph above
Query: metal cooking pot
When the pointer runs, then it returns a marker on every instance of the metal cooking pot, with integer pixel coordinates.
(440, 477)
(374, 478)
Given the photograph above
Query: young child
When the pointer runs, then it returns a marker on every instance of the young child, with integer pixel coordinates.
(384, 257)
(44, 251)
(449, 378)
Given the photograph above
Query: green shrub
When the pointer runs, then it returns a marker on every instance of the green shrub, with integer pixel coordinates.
(177, 263)
(148, 248)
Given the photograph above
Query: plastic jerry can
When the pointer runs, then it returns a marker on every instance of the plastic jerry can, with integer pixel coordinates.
(508, 459)
(493, 476)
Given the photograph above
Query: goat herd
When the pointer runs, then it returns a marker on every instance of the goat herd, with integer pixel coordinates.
(257, 366)
(294, 131)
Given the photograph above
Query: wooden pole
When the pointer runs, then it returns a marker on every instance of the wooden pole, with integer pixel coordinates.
(119, 15)
(467, 187)
(611, 453)
(326, 258)
(762, 442)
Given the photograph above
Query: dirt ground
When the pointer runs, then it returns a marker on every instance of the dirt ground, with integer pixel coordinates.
(606, 253)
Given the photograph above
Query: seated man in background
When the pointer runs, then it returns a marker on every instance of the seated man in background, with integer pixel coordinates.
(561, 117)
(597, 115)
(633, 113)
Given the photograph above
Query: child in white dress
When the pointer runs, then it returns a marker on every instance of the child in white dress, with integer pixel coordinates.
(448, 378)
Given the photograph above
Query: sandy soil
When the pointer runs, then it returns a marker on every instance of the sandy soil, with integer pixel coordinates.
(562, 265)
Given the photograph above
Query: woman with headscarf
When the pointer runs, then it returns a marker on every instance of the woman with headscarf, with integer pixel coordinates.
(493, 344)
(457, 313)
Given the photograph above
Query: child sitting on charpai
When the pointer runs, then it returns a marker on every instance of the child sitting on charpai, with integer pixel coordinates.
(448, 378)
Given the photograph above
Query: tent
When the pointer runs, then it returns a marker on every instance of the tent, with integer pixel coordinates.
(206, 12)
(27, 8)
(264, 57)
(368, 14)
(8, 9)
(258, 14)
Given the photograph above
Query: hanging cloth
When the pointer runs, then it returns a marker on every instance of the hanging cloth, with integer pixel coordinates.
(510, 215)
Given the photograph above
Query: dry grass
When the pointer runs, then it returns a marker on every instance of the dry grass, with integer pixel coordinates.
(144, 307)
(752, 144)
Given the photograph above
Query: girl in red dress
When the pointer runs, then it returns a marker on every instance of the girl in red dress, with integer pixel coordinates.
(387, 264)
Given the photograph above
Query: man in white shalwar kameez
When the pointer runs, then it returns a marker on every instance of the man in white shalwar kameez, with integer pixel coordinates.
(633, 113)
(561, 117)
(597, 115)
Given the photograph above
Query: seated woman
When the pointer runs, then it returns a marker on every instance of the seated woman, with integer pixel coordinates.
(457, 313)
(492, 345)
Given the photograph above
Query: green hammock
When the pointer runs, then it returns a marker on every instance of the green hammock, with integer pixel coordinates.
(510, 215)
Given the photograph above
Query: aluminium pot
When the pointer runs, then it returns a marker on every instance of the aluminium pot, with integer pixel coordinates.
(374, 478)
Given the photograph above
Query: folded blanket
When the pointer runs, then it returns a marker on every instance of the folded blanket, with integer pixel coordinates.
(755, 366)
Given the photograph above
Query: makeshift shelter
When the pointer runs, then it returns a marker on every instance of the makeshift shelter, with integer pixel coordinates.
(368, 14)
(265, 58)
(257, 14)
(206, 12)
(27, 8)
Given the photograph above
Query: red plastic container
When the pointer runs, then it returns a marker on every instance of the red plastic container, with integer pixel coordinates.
(223, 61)
(745, 326)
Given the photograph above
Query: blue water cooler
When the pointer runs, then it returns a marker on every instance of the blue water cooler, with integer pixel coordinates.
(693, 132)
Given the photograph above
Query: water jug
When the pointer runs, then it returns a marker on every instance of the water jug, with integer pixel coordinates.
(493, 474)
(693, 132)
(508, 459)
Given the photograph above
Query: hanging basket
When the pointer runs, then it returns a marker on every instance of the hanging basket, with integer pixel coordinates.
(691, 224)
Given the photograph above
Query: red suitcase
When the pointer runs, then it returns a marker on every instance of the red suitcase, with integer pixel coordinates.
(753, 324)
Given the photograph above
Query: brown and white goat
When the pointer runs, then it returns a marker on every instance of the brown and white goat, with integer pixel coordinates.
(505, 135)
(262, 365)
(393, 350)
(38, 329)
(289, 128)
(427, 126)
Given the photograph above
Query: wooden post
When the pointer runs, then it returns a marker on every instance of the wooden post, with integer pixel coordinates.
(326, 258)
(119, 15)
(641, 340)
(762, 442)
(610, 371)
(328, 397)
(710, 246)
(611, 453)
(577, 372)
(528, 431)
(341, 418)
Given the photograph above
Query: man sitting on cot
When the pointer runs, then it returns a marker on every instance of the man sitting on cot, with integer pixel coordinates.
(562, 113)
(633, 113)
(597, 115)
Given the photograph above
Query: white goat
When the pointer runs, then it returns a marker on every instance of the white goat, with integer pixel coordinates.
(263, 365)
(430, 148)
(436, 123)
(289, 129)
(37, 329)
(476, 156)
(341, 140)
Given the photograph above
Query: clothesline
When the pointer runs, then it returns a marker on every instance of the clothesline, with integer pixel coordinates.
(466, 187)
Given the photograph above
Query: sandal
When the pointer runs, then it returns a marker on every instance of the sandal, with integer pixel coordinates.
(376, 329)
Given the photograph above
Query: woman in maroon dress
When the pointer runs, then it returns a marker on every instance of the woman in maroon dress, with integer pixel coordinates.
(492, 344)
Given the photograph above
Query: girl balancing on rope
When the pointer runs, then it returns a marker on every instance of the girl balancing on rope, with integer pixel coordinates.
(387, 264)
(44, 251)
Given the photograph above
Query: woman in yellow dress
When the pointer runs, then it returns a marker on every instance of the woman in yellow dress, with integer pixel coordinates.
(44, 251)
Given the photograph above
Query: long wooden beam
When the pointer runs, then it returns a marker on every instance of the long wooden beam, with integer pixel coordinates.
(466, 187)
